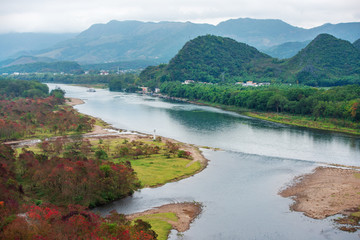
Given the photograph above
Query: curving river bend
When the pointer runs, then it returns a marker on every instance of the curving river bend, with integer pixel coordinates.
(239, 187)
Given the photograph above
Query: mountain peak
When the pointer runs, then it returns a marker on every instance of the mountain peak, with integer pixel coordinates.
(326, 55)
(224, 56)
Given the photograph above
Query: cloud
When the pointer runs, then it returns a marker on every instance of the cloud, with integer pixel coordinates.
(75, 16)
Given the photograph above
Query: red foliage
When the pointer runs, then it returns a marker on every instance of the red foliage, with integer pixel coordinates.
(21, 117)
(74, 222)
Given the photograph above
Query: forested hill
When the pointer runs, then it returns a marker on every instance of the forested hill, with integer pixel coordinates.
(325, 61)
(325, 57)
(357, 44)
(207, 58)
(213, 59)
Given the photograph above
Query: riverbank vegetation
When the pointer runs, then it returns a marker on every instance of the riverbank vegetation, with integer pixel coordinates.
(44, 196)
(336, 108)
(38, 117)
(46, 191)
(155, 162)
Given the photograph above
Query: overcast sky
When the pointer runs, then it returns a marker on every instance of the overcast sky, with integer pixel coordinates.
(78, 15)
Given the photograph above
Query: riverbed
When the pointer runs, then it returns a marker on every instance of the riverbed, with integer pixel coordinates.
(239, 188)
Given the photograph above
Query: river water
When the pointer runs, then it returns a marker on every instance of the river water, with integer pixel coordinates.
(239, 188)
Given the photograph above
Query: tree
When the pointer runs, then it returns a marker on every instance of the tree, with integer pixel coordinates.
(277, 102)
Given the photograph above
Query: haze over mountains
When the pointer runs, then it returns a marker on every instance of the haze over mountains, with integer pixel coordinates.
(14, 45)
(159, 42)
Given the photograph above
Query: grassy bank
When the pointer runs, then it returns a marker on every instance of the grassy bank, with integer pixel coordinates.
(329, 124)
(160, 223)
(308, 122)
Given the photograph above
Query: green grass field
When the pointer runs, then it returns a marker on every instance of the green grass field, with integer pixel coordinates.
(158, 169)
(159, 223)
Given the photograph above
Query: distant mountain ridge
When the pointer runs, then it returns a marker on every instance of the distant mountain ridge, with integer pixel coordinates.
(135, 40)
(13, 45)
(286, 50)
(45, 67)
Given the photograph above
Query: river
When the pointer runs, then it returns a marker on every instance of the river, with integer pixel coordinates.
(239, 188)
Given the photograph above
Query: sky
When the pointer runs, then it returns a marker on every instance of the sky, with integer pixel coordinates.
(78, 15)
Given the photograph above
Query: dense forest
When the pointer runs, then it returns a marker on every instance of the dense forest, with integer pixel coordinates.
(10, 88)
(341, 102)
(325, 61)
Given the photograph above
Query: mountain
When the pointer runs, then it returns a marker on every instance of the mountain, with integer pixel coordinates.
(127, 41)
(135, 40)
(16, 44)
(357, 44)
(347, 31)
(285, 50)
(209, 58)
(24, 60)
(325, 61)
(260, 33)
(325, 57)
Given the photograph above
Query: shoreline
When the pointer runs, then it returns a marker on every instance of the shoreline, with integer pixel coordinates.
(73, 101)
(254, 114)
(186, 213)
(133, 135)
(325, 192)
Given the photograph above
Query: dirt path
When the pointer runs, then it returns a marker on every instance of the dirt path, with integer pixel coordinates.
(186, 213)
(326, 192)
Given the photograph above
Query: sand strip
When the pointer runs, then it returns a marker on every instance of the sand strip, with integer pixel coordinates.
(73, 101)
(325, 192)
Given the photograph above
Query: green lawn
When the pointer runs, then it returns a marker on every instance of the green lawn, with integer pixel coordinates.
(158, 169)
(159, 223)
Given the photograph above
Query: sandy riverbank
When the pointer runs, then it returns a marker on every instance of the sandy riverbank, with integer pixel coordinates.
(326, 192)
(186, 213)
(73, 101)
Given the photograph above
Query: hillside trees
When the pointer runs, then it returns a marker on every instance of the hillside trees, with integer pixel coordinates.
(26, 117)
(10, 88)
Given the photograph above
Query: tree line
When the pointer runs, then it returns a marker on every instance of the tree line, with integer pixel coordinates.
(341, 102)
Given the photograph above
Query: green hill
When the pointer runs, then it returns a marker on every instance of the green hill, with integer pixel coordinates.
(324, 59)
(357, 44)
(212, 59)
(207, 58)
